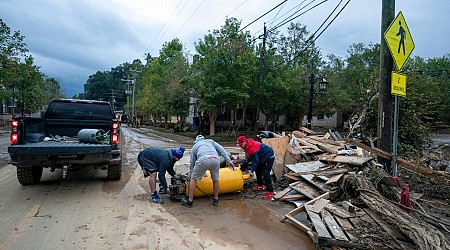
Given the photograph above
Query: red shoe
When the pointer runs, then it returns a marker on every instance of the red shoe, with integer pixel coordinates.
(269, 195)
(259, 188)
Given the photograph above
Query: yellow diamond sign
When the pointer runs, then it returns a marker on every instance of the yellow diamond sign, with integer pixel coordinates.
(399, 40)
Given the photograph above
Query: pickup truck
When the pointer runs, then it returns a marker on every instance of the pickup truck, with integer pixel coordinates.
(52, 140)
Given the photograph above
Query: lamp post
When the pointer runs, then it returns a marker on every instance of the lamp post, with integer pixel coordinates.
(323, 85)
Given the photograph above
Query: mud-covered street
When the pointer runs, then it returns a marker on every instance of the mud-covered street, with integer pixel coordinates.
(84, 211)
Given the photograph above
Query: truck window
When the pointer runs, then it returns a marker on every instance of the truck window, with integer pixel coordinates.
(79, 110)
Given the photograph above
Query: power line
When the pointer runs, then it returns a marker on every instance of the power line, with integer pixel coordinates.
(230, 13)
(189, 18)
(170, 25)
(263, 15)
(154, 38)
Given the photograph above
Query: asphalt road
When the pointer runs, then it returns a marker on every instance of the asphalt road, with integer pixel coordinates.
(84, 211)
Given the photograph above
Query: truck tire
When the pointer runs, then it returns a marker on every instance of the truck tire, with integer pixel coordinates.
(114, 172)
(29, 175)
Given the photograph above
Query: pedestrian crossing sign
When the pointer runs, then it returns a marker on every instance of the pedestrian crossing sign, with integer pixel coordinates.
(399, 40)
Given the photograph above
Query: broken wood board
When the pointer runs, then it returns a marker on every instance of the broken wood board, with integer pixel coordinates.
(305, 143)
(319, 227)
(347, 227)
(318, 205)
(292, 197)
(323, 146)
(282, 193)
(339, 211)
(318, 184)
(305, 167)
(280, 146)
(331, 172)
(306, 130)
(352, 160)
(332, 225)
(302, 208)
(411, 166)
(292, 177)
(290, 158)
(334, 179)
(306, 189)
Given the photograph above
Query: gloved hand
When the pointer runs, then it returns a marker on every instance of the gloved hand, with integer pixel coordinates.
(231, 166)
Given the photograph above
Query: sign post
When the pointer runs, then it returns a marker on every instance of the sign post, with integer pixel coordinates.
(401, 44)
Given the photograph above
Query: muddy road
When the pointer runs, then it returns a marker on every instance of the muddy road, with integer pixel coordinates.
(84, 211)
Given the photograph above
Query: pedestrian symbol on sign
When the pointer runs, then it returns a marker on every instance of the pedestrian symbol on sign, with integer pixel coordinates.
(402, 34)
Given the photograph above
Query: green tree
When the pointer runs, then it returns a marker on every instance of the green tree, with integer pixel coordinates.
(223, 70)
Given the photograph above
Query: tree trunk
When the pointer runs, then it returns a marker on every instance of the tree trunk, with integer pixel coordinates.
(424, 235)
(166, 121)
(212, 121)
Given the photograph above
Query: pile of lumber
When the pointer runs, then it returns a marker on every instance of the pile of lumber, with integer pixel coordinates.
(316, 167)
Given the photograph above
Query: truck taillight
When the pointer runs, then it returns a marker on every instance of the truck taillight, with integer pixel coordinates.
(14, 132)
(115, 133)
(14, 138)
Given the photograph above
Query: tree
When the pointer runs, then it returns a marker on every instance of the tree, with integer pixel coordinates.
(223, 70)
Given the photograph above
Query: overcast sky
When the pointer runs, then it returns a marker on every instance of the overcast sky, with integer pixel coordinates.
(71, 40)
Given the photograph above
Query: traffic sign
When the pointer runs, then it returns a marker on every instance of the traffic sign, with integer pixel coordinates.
(399, 40)
(398, 84)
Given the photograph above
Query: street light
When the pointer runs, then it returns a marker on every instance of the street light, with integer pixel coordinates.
(323, 85)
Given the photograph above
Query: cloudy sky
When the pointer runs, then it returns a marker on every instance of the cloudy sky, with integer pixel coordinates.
(72, 39)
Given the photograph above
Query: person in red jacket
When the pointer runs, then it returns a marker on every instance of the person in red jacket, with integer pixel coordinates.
(262, 158)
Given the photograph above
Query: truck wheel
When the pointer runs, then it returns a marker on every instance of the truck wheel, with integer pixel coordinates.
(29, 175)
(114, 172)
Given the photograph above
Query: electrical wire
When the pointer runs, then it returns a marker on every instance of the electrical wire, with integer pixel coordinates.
(189, 17)
(262, 15)
(230, 13)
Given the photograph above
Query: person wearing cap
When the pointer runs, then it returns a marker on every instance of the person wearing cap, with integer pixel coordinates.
(205, 155)
(159, 161)
(262, 158)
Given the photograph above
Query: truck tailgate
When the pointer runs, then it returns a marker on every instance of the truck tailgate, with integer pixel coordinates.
(58, 148)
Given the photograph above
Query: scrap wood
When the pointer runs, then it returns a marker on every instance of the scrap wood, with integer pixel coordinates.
(347, 227)
(305, 167)
(318, 225)
(339, 211)
(280, 146)
(318, 205)
(292, 177)
(306, 189)
(302, 208)
(307, 144)
(352, 160)
(411, 166)
(318, 184)
(323, 145)
(307, 131)
(282, 193)
(334, 179)
(328, 172)
(424, 235)
(288, 194)
(332, 225)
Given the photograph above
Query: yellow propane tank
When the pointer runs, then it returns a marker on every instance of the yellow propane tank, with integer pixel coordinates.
(229, 181)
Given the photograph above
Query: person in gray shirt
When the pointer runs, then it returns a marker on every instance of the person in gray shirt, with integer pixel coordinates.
(205, 155)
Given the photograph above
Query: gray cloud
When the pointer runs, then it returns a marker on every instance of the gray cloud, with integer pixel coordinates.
(71, 40)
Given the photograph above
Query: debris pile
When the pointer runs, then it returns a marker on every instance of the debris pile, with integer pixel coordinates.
(344, 198)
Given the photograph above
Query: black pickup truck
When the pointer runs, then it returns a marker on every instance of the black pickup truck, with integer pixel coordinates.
(53, 140)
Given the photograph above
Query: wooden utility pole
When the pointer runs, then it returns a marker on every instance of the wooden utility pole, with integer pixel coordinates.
(385, 109)
(261, 78)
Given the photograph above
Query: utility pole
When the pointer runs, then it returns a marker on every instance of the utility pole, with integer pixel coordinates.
(135, 72)
(261, 78)
(312, 81)
(385, 109)
(128, 92)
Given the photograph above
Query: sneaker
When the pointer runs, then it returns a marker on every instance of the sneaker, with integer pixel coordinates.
(162, 191)
(155, 198)
(185, 202)
(259, 187)
(269, 195)
(216, 202)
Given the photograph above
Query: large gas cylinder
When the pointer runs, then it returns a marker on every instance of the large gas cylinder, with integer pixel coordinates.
(229, 180)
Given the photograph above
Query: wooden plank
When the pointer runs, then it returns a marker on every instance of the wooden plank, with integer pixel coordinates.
(334, 179)
(318, 184)
(347, 227)
(292, 197)
(282, 193)
(280, 146)
(323, 146)
(292, 177)
(319, 205)
(302, 208)
(352, 160)
(400, 161)
(339, 211)
(305, 167)
(329, 172)
(306, 130)
(306, 189)
(297, 223)
(332, 225)
(319, 227)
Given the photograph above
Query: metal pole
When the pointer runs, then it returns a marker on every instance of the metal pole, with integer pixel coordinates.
(394, 143)
(134, 114)
(311, 98)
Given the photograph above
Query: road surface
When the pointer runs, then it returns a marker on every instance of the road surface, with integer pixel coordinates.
(84, 211)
